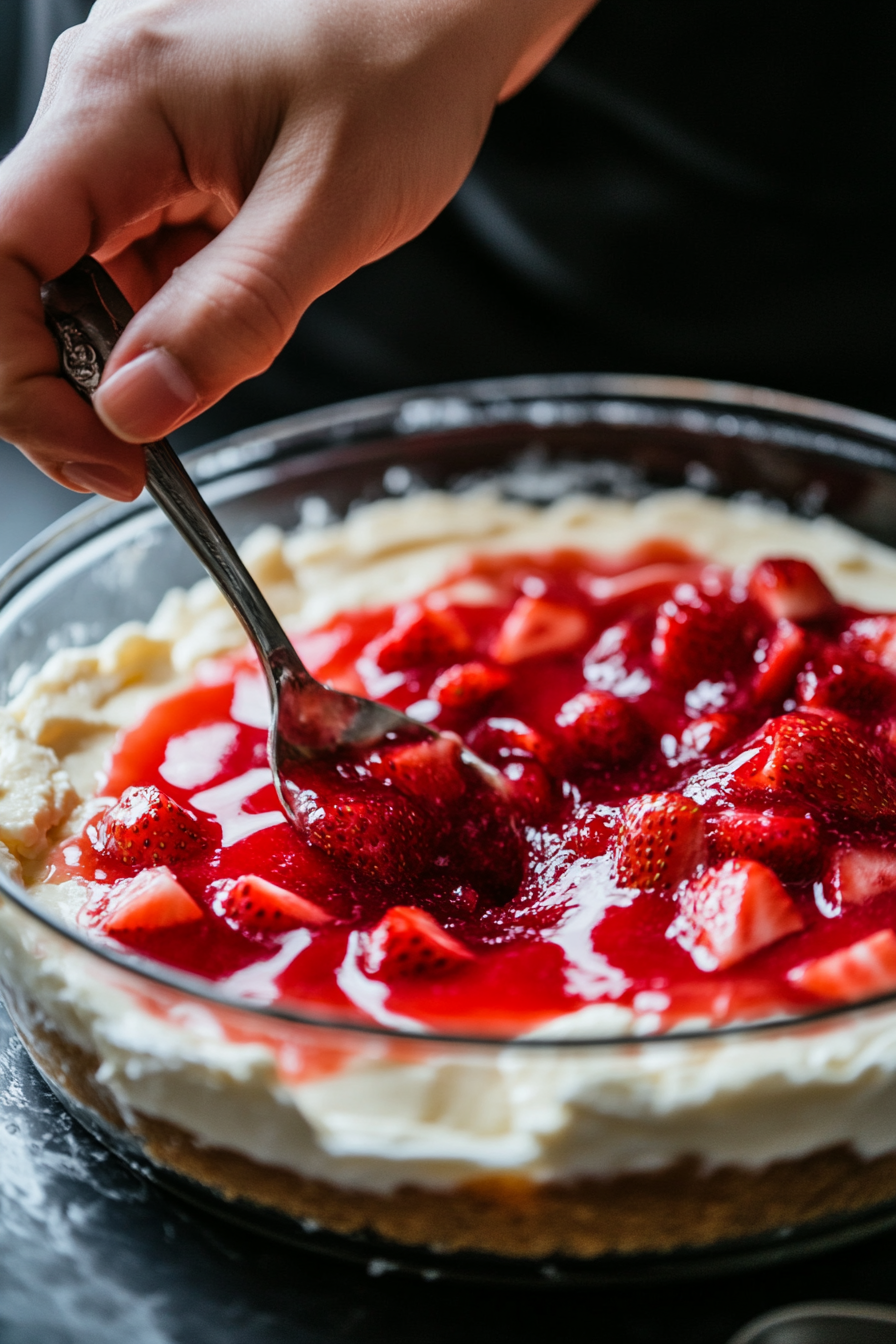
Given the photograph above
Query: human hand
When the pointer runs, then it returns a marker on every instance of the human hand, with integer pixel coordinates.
(229, 163)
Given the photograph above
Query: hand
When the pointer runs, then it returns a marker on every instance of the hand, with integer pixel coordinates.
(230, 162)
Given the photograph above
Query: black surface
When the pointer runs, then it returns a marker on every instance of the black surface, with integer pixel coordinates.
(90, 1254)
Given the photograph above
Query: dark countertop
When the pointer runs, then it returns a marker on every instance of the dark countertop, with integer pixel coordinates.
(90, 1254)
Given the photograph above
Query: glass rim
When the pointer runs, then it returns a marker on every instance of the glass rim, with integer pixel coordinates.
(233, 455)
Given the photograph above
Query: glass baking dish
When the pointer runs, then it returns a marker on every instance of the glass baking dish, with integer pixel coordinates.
(534, 439)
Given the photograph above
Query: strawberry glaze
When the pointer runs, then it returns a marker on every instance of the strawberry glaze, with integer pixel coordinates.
(769, 707)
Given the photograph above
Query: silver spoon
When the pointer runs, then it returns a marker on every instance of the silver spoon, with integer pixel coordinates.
(86, 312)
(822, 1323)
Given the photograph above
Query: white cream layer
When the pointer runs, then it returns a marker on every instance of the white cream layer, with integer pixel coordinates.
(436, 1115)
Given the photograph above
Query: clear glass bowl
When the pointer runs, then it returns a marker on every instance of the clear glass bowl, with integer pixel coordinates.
(811, 1139)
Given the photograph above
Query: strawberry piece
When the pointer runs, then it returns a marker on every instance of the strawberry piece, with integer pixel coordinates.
(419, 636)
(497, 740)
(856, 875)
(790, 590)
(374, 830)
(711, 733)
(468, 685)
(789, 845)
(780, 657)
(487, 847)
(845, 681)
(535, 626)
(660, 841)
(698, 636)
(409, 944)
(147, 827)
(822, 758)
(532, 791)
(255, 903)
(431, 769)
(153, 900)
(861, 971)
(734, 910)
(875, 637)
(602, 728)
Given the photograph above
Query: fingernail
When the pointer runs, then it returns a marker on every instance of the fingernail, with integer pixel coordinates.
(142, 401)
(99, 479)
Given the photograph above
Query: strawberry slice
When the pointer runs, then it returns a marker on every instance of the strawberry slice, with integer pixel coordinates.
(789, 845)
(856, 875)
(468, 685)
(147, 827)
(498, 740)
(847, 682)
(375, 830)
(603, 728)
(711, 733)
(534, 626)
(419, 636)
(532, 791)
(660, 841)
(431, 769)
(734, 910)
(409, 944)
(861, 971)
(875, 637)
(698, 636)
(821, 758)
(153, 900)
(780, 657)
(255, 903)
(790, 590)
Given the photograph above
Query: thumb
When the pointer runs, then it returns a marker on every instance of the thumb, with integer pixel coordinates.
(222, 316)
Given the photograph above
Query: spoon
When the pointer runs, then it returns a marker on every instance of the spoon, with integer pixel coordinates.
(822, 1323)
(86, 312)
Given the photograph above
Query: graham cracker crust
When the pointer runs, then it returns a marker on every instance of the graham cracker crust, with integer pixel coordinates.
(677, 1208)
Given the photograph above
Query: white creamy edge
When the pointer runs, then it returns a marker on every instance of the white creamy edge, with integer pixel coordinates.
(450, 1115)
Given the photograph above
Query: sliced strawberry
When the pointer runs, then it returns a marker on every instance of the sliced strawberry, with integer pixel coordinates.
(821, 758)
(858, 874)
(711, 733)
(375, 830)
(419, 636)
(875, 637)
(660, 841)
(592, 830)
(486, 847)
(532, 791)
(698, 636)
(861, 971)
(789, 845)
(409, 944)
(255, 903)
(780, 658)
(790, 590)
(844, 680)
(732, 911)
(153, 900)
(431, 769)
(147, 827)
(468, 685)
(603, 728)
(498, 740)
(535, 626)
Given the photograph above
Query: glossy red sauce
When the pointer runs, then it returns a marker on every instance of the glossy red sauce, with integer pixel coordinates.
(572, 933)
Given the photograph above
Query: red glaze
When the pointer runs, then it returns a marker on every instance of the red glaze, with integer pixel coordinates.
(761, 729)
